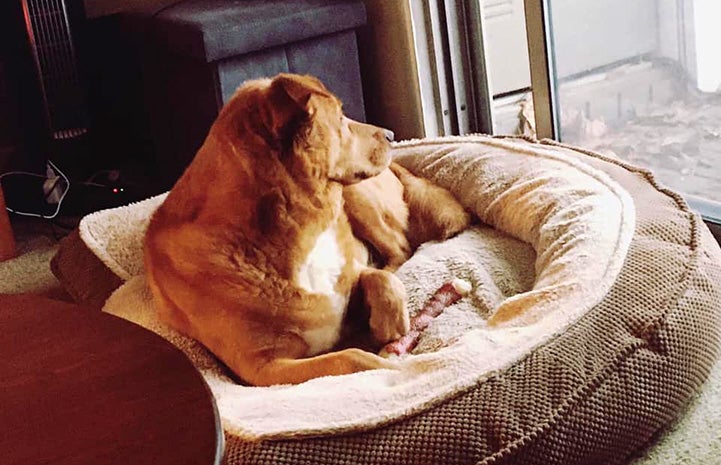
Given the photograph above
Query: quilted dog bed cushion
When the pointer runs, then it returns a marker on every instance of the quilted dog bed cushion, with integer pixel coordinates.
(616, 281)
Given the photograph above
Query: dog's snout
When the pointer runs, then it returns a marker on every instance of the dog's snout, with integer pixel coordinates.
(389, 135)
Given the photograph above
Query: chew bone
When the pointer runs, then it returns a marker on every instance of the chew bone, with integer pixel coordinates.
(446, 295)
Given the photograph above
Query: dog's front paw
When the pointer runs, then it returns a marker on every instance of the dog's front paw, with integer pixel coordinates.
(385, 297)
(389, 326)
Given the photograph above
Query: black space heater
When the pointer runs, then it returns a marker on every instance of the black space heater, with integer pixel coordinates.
(48, 25)
(52, 43)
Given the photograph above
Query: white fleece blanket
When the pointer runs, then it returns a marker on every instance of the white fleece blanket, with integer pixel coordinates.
(557, 237)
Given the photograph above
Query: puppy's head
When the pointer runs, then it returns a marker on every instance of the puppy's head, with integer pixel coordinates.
(297, 119)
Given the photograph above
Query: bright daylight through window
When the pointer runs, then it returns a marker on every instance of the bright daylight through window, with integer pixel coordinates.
(636, 79)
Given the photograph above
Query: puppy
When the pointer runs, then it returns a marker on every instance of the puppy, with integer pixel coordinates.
(252, 253)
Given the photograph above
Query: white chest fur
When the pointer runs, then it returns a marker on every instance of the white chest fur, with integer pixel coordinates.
(319, 274)
(323, 265)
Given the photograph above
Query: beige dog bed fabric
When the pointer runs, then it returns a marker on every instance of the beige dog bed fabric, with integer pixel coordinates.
(619, 286)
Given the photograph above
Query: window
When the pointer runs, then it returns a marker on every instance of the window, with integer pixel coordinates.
(637, 79)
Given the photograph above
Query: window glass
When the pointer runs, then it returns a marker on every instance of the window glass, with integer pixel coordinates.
(641, 80)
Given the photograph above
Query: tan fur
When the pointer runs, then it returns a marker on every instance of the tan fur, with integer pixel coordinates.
(252, 252)
(396, 211)
(379, 216)
(434, 214)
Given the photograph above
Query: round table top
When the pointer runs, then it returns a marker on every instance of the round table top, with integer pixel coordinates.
(79, 386)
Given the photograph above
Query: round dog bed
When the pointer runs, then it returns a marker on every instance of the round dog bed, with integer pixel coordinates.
(615, 283)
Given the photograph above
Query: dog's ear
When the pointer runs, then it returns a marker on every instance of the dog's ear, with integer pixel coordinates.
(299, 88)
(291, 101)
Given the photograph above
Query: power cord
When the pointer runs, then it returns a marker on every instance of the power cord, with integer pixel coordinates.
(48, 190)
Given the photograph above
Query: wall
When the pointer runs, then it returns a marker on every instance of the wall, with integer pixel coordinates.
(614, 30)
(389, 69)
(504, 28)
(391, 90)
(707, 37)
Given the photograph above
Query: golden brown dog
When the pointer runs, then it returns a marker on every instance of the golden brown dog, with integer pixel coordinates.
(252, 253)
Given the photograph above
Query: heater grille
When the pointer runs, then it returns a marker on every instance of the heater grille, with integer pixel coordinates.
(51, 41)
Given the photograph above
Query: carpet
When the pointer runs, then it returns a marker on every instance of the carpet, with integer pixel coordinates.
(30, 271)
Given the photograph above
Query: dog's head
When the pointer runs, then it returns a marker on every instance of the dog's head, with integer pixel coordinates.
(302, 123)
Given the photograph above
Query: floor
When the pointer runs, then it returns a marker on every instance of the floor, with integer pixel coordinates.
(34, 232)
(680, 142)
(36, 243)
